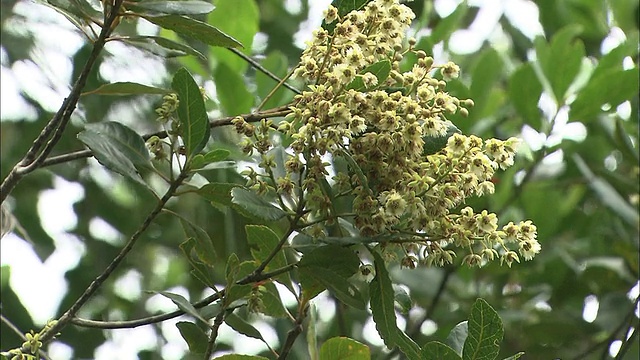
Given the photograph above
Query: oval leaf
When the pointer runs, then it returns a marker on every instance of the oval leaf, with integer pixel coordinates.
(435, 350)
(126, 88)
(195, 29)
(162, 47)
(194, 336)
(342, 348)
(186, 7)
(191, 112)
(255, 205)
(485, 333)
(117, 147)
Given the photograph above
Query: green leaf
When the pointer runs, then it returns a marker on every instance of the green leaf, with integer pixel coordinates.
(194, 336)
(204, 246)
(343, 348)
(219, 194)
(435, 350)
(485, 76)
(234, 272)
(262, 242)
(272, 302)
(449, 24)
(612, 86)
(608, 194)
(162, 46)
(213, 156)
(402, 299)
(183, 304)
(117, 147)
(240, 357)
(186, 7)
(339, 260)
(195, 29)
(433, 144)
(381, 70)
(238, 324)
(337, 285)
(383, 311)
(126, 88)
(240, 19)
(232, 91)
(457, 336)
(256, 205)
(194, 124)
(201, 270)
(525, 90)
(561, 59)
(485, 333)
(277, 63)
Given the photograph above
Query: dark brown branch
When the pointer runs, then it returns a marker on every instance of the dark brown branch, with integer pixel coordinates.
(211, 345)
(52, 132)
(255, 117)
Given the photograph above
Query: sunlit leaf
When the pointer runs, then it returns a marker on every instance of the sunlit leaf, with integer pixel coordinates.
(232, 91)
(194, 336)
(185, 7)
(612, 87)
(457, 336)
(561, 59)
(240, 19)
(485, 333)
(194, 29)
(213, 156)
(262, 242)
(183, 304)
(162, 46)
(343, 348)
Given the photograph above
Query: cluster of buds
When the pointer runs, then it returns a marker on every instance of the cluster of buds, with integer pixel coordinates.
(361, 109)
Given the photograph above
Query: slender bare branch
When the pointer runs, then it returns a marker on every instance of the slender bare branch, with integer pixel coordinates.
(264, 70)
(51, 133)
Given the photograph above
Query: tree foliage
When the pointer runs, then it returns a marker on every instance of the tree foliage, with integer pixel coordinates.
(295, 197)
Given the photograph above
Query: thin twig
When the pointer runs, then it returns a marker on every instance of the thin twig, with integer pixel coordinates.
(128, 324)
(214, 335)
(95, 285)
(292, 335)
(51, 133)
(254, 117)
(263, 70)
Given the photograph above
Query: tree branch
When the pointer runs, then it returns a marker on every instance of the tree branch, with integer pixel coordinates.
(254, 117)
(93, 287)
(292, 335)
(214, 335)
(264, 70)
(51, 133)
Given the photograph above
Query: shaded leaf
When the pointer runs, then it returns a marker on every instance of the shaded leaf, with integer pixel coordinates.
(117, 147)
(234, 272)
(201, 270)
(383, 311)
(435, 350)
(272, 302)
(262, 242)
(336, 284)
(433, 144)
(194, 124)
(402, 299)
(447, 25)
(194, 29)
(457, 336)
(216, 155)
(515, 356)
(381, 70)
(232, 91)
(485, 333)
(204, 246)
(343, 348)
(561, 59)
(338, 260)
(238, 324)
(612, 86)
(277, 63)
(256, 205)
(217, 193)
(186, 7)
(183, 304)
(126, 88)
(524, 91)
(194, 336)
